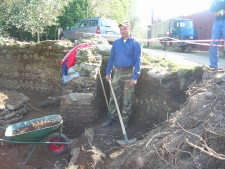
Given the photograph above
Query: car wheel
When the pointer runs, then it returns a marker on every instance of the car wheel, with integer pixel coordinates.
(62, 37)
(163, 46)
(183, 48)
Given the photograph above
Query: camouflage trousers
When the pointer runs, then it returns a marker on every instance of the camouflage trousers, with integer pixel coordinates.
(123, 91)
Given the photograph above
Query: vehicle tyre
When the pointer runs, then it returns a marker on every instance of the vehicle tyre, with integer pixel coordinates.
(183, 48)
(163, 46)
(188, 48)
(57, 149)
(62, 37)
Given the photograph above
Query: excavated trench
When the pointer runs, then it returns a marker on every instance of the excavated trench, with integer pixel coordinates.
(156, 96)
(36, 69)
(158, 93)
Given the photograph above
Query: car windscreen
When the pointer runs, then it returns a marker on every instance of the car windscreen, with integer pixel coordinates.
(186, 24)
(109, 23)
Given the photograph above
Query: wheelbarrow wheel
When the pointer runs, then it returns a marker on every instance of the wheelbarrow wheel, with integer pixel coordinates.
(57, 149)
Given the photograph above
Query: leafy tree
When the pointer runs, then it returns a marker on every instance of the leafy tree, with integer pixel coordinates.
(120, 10)
(74, 11)
(30, 15)
(115, 9)
(79, 9)
(29, 18)
(138, 30)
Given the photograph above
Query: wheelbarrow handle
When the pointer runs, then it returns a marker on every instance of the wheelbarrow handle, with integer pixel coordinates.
(34, 142)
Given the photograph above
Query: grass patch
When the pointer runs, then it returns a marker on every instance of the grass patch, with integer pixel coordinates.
(222, 55)
(153, 47)
(145, 61)
(171, 66)
(1, 38)
(150, 60)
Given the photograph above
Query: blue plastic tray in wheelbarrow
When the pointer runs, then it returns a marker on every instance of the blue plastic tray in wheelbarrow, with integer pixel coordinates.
(36, 134)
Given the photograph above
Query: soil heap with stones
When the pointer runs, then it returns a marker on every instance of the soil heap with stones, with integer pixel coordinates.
(193, 137)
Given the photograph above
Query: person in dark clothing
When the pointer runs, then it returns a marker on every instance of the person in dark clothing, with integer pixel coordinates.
(218, 31)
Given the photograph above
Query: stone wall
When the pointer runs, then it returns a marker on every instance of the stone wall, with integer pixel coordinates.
(35, 67)
(78, 103)
(81, 100)
(32, 66)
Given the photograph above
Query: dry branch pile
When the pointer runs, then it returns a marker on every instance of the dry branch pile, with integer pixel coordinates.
(193, 137)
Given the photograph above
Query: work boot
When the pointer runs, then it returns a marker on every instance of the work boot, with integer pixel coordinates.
(108, 122)
(211, 68)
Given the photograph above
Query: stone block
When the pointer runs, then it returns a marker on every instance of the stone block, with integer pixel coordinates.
(25, 57)
(36, 57)
(4, 51)
(4, 112)
(81, 97)
(9, 115)
(104, 50)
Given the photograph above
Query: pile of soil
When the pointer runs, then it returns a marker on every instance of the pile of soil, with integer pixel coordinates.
(193, 137)
(35, 126)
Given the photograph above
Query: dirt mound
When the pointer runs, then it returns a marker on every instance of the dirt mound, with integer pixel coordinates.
(193, 137)
(35, 126)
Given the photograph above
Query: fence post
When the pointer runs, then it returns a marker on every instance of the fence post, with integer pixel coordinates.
(59, 32)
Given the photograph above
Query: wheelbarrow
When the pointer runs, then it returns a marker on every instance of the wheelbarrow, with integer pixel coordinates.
(28, 132)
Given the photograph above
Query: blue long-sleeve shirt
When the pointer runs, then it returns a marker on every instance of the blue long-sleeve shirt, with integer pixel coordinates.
(125, 55)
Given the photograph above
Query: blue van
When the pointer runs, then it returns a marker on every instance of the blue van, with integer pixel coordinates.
(107, 28)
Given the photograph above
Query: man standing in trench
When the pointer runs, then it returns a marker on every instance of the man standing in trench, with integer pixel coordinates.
(218, 7)
(125, 59)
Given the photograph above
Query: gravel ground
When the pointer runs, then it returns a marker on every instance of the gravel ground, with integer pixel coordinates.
(195, 58)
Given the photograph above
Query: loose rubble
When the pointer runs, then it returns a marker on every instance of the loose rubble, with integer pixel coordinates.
(13, 106)
(191, 138)
(84, 154)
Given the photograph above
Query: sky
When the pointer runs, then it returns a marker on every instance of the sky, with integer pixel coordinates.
(166, 9)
